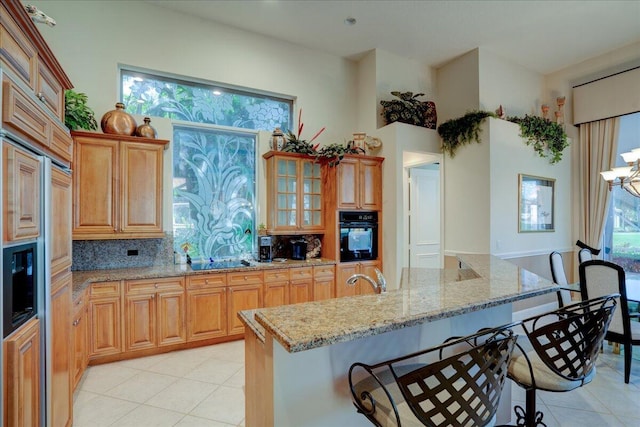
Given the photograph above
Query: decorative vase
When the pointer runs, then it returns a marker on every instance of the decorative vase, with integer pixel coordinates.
(146, 130)
(118, 121)
(277, 140)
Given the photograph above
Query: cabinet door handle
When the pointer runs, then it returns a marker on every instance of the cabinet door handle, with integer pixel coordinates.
(245, 277)
(155, 286)
(153, 296)
(41, 97)
(206, 281)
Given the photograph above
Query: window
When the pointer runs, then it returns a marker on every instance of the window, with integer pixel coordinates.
(160, 96)
(214, 156)
(622, 229)
(213, 191)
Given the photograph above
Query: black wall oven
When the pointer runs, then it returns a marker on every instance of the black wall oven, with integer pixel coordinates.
(358, 236)
(19, 286)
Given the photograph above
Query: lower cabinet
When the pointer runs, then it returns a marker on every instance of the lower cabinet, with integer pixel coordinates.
(80, 355)
(348, 269)
(244, 293)
(206, 306)
(276, 287)
(154, 313)
(324, 282)
(62, 404)
(21, 374)
(133, 315)
(105, 319)
(301, 285)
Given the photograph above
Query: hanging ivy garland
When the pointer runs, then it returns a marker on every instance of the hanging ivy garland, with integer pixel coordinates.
(547, 138)
(462, 131)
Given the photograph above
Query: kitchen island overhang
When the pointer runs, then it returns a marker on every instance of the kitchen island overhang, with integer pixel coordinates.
(298, 356)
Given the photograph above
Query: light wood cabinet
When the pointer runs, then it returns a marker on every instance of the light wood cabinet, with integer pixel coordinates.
(301, 285)
(206, 306)
(21, 376)
(276, 287)
(359, 183)
(294, 194)
(105, 319)
(17, 51)
(61, 195)
(324, 282)
(24, 116)
(60, 378)
(117, 186)
(244, 292)
(348, 269)
(154, 313)
(79, 341)
(21, 194)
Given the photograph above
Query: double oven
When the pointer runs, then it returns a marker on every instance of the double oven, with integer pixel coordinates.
(358, 236)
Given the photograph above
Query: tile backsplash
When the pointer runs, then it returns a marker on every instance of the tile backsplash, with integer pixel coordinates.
(99, 254)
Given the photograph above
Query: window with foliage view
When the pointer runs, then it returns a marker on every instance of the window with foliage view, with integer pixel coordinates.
(214, 156)
(622, 230)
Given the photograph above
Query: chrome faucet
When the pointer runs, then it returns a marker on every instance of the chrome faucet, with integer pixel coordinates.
(379, 286)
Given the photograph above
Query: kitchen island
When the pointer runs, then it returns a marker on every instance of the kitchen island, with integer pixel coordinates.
(298, 356)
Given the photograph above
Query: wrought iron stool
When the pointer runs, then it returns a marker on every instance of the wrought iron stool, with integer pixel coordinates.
(455, 384)
(559, 351)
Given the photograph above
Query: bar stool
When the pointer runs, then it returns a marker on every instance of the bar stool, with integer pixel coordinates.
(455, 384)
(559, 351)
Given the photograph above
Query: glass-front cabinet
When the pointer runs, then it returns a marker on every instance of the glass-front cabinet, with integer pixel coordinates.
(294, 188)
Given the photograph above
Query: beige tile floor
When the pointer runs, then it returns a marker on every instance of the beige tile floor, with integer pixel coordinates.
(204, 387)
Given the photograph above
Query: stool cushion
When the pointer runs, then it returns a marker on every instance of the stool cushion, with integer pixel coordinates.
(545, 378)
(384, 414)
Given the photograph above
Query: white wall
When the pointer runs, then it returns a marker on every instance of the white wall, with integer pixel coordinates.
(397, 139)
(91, 38)
(367, 111)
(458, 86)
(467, 192)
(502, 82)
(509, 157)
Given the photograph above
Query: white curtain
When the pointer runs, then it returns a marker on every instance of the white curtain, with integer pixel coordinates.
(596, 153)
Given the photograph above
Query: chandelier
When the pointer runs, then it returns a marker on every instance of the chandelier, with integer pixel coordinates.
(627, 177)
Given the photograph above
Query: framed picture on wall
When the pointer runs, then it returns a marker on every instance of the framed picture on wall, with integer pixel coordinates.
(535, 203)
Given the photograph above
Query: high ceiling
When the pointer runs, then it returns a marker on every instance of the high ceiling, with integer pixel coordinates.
(544, 36)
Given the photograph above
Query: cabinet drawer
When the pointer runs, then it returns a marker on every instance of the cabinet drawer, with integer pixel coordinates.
(301, 273)
(324, 271)
(207, 281)
(61, 143)
(154, 285)
(244, 278)
(16, 51)
(49, 91)
(79, 303)
(278, 275)
(104, 289)
(23, 115)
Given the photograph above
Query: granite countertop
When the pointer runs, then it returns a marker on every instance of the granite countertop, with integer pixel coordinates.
(424, 295)
(82, 279)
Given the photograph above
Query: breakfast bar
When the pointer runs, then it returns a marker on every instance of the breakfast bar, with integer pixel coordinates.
(298, 356)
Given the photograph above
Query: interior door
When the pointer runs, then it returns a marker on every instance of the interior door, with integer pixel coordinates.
(424, 217)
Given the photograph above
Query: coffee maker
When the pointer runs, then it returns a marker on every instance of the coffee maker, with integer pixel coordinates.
(264, 248)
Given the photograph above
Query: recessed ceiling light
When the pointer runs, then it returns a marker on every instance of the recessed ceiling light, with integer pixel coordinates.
(350, 21)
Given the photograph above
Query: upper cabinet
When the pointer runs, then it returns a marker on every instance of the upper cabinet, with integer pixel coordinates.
(294, 194)
(26, 54)
(33, 85)
(359, 183)
(20, 194)
(117, 186)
